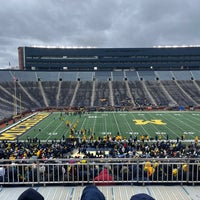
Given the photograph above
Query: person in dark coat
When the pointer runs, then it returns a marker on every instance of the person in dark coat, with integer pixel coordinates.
(30, 194)
(91, 192)
(141, 196)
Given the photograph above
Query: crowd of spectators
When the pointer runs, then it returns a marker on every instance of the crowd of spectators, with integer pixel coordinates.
(95, 160)
(107, 147)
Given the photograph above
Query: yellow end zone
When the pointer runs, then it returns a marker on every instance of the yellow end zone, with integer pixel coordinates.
(21, 128)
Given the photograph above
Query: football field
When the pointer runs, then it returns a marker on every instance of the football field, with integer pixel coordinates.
(56, 125)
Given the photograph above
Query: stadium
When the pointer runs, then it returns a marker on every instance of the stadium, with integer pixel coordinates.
(75, 113)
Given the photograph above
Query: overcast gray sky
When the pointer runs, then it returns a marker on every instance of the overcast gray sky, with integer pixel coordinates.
(97, 23)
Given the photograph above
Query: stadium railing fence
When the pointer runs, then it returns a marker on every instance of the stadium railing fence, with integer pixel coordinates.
(100, 171)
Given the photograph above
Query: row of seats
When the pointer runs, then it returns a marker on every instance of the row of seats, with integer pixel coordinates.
(33, 95)
(98, 75)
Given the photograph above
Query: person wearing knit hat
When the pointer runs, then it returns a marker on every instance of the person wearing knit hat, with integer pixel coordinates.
(141, 196)
(91, 192)
(30, 194)
(175, 172)
(185, 167)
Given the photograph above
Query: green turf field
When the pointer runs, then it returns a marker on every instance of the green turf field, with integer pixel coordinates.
(173, 124)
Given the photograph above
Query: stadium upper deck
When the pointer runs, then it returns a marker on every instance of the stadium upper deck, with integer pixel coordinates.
(160, 58)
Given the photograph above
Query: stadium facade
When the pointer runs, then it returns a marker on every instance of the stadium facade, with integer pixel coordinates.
(111, 59)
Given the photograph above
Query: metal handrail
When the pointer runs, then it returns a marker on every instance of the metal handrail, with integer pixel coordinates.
(100, 171)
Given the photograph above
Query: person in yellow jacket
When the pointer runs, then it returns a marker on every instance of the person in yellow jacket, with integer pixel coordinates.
(149, 169)
(196, 139)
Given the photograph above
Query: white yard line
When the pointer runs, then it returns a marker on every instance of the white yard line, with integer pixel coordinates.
(153, 126)
(116, 123)
(105, 123)
(55, 130)
(128, 124)
(83, 122)
(141, 126)
(184, 123)
(172, 131)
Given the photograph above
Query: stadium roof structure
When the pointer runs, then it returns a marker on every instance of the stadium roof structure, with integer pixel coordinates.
(111, 59)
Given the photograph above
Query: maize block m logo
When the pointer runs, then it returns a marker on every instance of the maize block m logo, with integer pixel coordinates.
(153, 121)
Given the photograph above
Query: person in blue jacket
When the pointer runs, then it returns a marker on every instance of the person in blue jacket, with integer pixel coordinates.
(91, 192)
(141, 196)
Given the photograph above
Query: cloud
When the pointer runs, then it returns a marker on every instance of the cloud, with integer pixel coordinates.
(110, 23)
